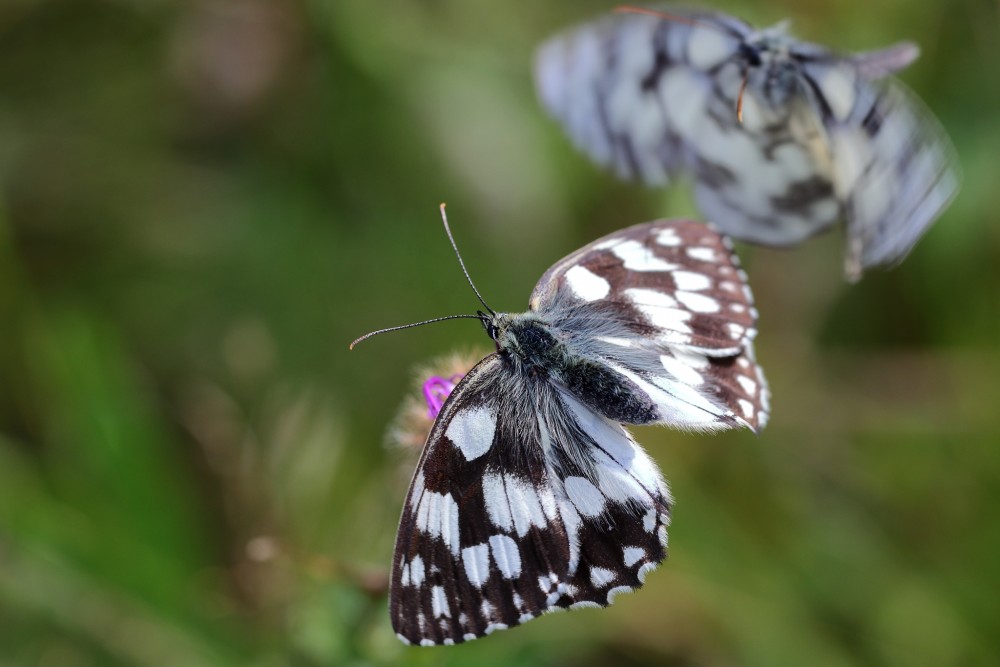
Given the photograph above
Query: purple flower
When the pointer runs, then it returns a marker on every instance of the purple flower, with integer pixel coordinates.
(436, 391)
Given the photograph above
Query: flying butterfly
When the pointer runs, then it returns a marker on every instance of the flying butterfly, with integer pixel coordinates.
(783, 138)
(530, 496)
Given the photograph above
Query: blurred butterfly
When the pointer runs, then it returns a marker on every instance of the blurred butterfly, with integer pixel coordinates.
(529, 495)
(783, 138)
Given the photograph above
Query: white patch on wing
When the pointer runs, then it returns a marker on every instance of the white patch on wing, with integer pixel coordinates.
(495, 499)
(699, 303)
(515, 504)
(601, 577)
(638, 257)
(417, 571)
(690, 281)
(439, 603)
(585, 284)
(649, 520)
(681, 370)
(668, 237)
(472, 430)
(660, 309)
(476, 560)
(749, 386)
(506, 555)
(702, 254)
(589, 501)
(437, 515)
(633, 555)
(747, 408)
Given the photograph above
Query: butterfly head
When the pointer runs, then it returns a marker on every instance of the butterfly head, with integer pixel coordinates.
(770, 65)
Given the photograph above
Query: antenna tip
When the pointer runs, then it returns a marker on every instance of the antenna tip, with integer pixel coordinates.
(442, 205)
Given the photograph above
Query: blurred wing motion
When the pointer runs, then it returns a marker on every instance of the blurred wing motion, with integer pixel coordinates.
(823, 137)
(530, 496)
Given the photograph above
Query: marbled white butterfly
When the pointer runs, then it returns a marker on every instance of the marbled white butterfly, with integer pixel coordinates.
(783, 138)
(530, 496)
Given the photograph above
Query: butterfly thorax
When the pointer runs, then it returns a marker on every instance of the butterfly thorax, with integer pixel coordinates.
(524, 340)
(533, 347)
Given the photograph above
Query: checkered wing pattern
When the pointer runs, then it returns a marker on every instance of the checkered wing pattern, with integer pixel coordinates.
(665, 305)
(823, 137)
(525, 501)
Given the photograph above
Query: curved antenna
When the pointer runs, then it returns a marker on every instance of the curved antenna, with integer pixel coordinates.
(415, 324)
(444, 218)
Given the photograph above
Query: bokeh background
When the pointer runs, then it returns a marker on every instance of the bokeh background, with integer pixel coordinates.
(203, 202)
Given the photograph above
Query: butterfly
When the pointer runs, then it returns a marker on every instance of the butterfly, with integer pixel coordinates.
(530, 496)
(783, 138)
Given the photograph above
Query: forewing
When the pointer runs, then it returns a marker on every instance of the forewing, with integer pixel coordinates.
(665, 305)
(626, 87)
(523, 502)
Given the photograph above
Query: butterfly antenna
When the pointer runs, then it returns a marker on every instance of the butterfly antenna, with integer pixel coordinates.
(415, 324)
(631, 9)
(447, 229)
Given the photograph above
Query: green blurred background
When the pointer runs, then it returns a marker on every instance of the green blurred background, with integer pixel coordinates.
(202, 202)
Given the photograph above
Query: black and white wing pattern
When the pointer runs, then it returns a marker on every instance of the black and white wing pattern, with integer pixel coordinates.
(524, 502)
(530, 496)
(823, 137)
(667, 306)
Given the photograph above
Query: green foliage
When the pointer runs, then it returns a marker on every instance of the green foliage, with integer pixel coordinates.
(203, 202)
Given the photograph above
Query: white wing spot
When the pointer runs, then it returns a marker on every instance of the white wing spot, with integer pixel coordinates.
(506, 555)
(688, 280)
(417, 571)
(747, 408)
(437, 515)
(699, 303)
(668, 237)
(587, 499)
(476, 560)
(439, 603)
(633, 555)
(601, 577)
(586, 284)
(584, 604)
(736, 330)
(649, 520)
(702, 254)
(644, 570)
(472, 431)
(681, 370)
(493, 627)
(616, 591)
(749, 386)
(638, 257)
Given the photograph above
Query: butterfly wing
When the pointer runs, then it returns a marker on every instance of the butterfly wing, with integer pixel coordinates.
(651, 96)
(524, 501)
(822, 138)
(893, 165)
(627, 88)
(665, 306)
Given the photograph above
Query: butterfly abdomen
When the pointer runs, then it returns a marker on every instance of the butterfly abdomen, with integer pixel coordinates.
(608, 393)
